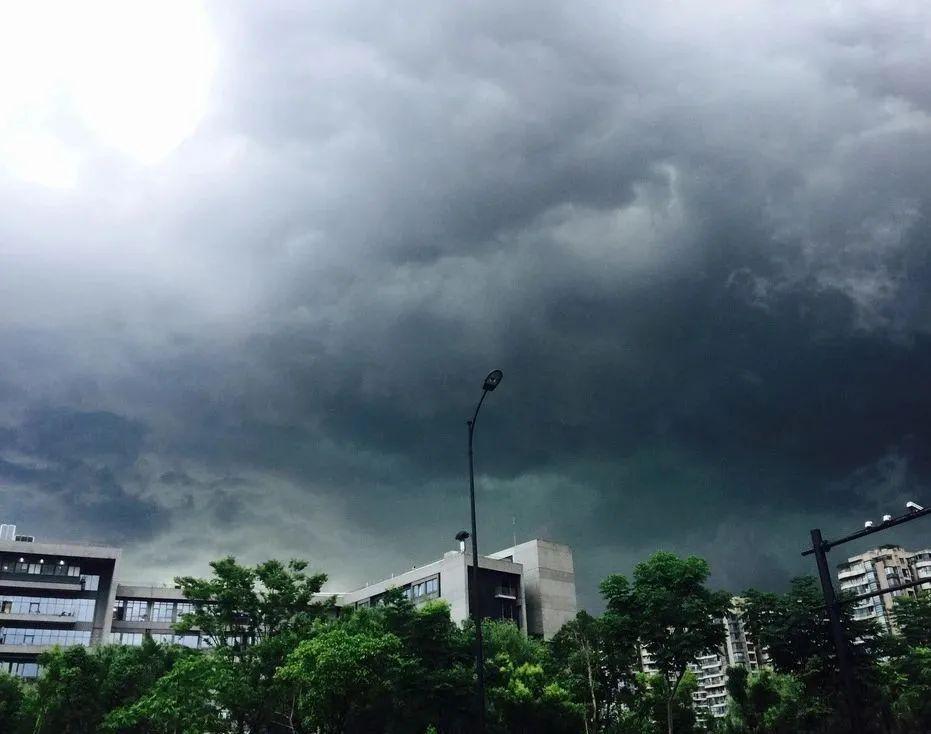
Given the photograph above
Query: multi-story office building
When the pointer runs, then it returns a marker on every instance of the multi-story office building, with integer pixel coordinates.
(531, 584)
(881, 568)
(710, 670)
(69, 594)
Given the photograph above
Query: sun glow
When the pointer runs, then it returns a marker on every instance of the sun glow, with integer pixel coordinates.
(133, 77)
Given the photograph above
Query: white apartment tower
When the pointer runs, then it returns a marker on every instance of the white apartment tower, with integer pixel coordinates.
(711, 670)
(882, 568)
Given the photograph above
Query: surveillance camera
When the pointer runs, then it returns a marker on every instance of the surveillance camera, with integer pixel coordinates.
(913, 506)
(887, 518)
(868, 524)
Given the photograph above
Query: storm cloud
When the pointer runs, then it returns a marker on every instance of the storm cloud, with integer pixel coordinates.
(693, 236)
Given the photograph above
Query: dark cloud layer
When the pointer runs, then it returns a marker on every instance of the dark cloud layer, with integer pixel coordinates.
(695, 239)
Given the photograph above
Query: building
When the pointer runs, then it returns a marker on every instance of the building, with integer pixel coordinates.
(70, 594)
(881, 568)
(710, 670)
(531, 584)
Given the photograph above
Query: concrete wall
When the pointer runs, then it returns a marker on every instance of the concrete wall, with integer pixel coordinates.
(549, 584)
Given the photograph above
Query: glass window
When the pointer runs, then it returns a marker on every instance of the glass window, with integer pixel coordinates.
(17, 636)
(90, 582)
(137, 610)
(163, 611)
(433, 586)
(182, 608)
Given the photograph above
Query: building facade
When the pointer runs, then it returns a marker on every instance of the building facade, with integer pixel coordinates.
(710, 670)
(69, 594)
(531, 584)
(882, 568)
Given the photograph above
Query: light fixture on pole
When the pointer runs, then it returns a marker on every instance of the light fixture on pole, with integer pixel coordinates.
(491, 382)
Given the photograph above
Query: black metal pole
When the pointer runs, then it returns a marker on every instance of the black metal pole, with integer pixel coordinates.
(844, 663)
(475, 599)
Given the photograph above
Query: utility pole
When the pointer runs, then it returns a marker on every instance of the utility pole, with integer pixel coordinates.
(844, 662)
(819, 548)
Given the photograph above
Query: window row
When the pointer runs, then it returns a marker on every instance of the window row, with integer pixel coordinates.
(17, 636)
(142, 610)
(135, 639)
(81, 610)
(19, 669)
(423, 588)
(42, 567)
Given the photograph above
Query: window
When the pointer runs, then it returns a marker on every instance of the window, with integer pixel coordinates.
(90, 582)
(163, 611)
(19, 636)
(184, 607)
(137, 610)
(433, 585)
(126, 638)
(81, 609)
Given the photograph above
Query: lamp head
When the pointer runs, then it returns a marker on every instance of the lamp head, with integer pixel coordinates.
(491, 382)
(462, 536)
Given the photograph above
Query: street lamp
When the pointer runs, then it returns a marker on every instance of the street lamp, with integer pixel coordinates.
(491, 382)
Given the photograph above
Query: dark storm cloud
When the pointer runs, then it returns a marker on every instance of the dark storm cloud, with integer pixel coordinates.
(695, 239)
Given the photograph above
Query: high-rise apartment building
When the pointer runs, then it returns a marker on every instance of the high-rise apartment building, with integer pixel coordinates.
(69, 594)
(710, 670)
(882, 568)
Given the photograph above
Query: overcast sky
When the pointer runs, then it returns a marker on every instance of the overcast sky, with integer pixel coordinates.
(256, 259)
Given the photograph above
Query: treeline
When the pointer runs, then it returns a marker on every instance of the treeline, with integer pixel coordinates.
(282, 662)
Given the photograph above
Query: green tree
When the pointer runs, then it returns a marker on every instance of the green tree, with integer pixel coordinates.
(522, 698)
(771, 703)
(595, 659)
(187, 700)
(343, 680)
(795, 630)
(677, 618)
(435, 684)
(254, 617)
(913, 619)
(12, 713)
(80, 686)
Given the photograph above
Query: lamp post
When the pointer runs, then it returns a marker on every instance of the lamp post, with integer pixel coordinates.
(491, 382)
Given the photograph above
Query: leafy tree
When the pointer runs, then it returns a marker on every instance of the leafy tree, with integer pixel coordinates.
(795, 630)
(254, 617)
(187, 700)
(521, 696)
(435, 684)
(343, 680)
(771, 703)
(913, 619)
(239, 605)
(12, 715)
(677, 618)
(595, 659)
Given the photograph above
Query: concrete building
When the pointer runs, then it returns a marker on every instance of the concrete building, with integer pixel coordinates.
(69, 594)
(880, 568)
(711, 699)
(531, 584)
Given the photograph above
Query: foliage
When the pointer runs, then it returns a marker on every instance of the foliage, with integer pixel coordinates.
(771, 703)
(676, 617)
(11, 704)
(596, 659)
(913, 619)
(282, 662)
(343, 680)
